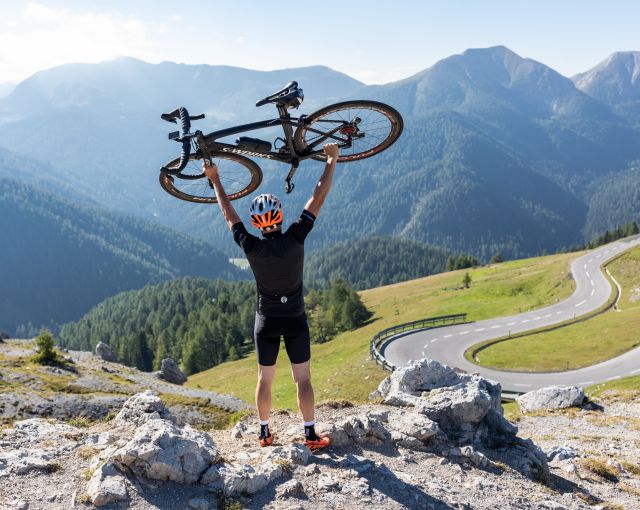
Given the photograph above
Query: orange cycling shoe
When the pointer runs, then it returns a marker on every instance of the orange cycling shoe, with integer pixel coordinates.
(266, 441)
(319, 443)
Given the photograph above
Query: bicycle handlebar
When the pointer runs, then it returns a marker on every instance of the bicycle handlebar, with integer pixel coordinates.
(185, 125)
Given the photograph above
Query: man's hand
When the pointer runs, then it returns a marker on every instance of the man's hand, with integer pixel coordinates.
(210, 169)
(332, 151)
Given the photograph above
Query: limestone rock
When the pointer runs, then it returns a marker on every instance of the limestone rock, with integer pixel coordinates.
(199, 504)
(244, 430)
(170, 371)
(106, 485)
(560, 453)
(142, 407)
(551, 397)
(289, 489)
(103, 351)
(162, 451)
(296, 453)
(414, 425)
(407, 383)
(478, 458)
(452, 407)
(245, 478)
(361, 429)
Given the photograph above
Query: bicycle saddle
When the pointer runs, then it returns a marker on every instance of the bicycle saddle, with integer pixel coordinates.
(290, 96)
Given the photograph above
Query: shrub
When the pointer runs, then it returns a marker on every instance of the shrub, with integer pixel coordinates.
(46, 355)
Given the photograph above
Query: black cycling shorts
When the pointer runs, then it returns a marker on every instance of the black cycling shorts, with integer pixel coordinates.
(295, 330)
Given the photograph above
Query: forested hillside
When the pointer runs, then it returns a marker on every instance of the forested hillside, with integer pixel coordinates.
(58, 258)
(373, 261)
(199, 323)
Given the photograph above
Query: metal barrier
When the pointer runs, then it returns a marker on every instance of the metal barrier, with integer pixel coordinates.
(429, 323)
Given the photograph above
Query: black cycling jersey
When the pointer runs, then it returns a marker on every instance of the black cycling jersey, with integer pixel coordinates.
(277, 262)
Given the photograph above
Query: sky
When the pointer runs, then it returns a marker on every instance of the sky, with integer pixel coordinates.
(375, 42)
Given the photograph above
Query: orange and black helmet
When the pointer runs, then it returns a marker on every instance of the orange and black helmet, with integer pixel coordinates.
(266, 211)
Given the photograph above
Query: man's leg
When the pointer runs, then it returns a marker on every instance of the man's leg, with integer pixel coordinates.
(266, 375)
(301, 373)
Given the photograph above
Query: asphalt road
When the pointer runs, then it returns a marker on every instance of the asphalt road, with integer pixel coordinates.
(448, 344)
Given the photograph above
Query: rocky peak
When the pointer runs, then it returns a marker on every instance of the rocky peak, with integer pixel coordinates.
(614, 80)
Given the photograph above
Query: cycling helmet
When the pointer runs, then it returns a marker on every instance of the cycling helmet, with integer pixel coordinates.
(266, 212)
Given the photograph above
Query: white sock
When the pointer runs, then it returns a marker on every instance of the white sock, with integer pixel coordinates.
(264, 422)
(309, 423)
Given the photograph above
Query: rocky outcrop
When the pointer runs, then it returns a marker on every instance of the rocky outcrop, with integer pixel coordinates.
(162, 451)
(551, 397)
(103, 351)
(170, 371)
(141, 408)
(106, 485)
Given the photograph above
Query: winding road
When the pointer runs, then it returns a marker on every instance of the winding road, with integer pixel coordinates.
(448, 344)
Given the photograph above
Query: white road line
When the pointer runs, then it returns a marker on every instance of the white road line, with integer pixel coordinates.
(448, 336)
(511, 324)
(537, 318)
(635, 371)
(479, 329)
(433, 340)
(585, 383)
(496, 326)
(593, 284)
(581, 303)
(463, 333)
(599, 255)
(590, 261)
(522, 385)
(588, 275)
(585, 266)
(526, 320)
(593, 291)
(558, 313)
(614, 377)
(425, 346)
(548, 315)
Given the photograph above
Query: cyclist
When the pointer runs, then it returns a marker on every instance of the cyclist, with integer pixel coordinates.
(276, 260)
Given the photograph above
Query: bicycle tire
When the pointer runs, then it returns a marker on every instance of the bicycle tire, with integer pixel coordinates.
(395, 127)
(201, 192)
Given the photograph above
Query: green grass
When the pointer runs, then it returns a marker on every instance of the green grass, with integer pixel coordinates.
(342, 368)
(627, 389)
(581, 344)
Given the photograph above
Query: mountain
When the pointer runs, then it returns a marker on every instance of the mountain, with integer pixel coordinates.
(499, 152)
(616, 82)
(6, 88)
(59, 258)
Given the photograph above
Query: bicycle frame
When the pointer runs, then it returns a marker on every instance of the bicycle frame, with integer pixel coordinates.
(295, 155)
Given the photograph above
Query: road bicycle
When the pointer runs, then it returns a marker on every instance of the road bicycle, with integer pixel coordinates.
(361, 129)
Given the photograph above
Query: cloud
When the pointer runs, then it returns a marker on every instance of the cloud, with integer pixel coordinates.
(42, 37)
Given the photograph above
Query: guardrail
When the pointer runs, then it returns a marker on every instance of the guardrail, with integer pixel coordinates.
(429, 323)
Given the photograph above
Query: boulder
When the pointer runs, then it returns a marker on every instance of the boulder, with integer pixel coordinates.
(456, 406)
(103, 351)
(408, 382)
(551, 397)
(237, 480)
(560, 453)
(170, 371)
(162, 451)
(361, 429)
(414, 425)
(141, 408)
(106, 485)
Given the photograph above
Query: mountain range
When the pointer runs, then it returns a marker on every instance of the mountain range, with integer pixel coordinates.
(499, 153)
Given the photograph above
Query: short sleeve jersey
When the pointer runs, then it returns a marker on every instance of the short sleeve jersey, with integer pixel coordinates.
(277, 262)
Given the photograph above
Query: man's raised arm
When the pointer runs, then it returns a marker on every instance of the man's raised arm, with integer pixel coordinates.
(229, 213)
(321, 190)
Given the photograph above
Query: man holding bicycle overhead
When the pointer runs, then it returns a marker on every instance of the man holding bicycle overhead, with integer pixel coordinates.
(277, 260)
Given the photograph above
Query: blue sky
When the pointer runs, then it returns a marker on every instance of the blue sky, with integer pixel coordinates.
(376, 42)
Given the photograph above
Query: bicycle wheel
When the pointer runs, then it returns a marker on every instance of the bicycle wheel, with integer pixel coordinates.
(378, 127)
(239, 177)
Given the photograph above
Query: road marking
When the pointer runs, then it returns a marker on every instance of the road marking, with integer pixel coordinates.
(496, 326)
(433, 340)
(511, 324)
(522, 385)
(537, 318)
(463, 333)
(590, 261)
(585, 266)
(548, 315)
(479, 329)
(593, 291)
(585, 383)
(614, 377)
(558, 313)
(592, 284)
(599, 255)
(635, 371)
(448, 336)
(588, 275)
(526, 320)
(581, 303)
